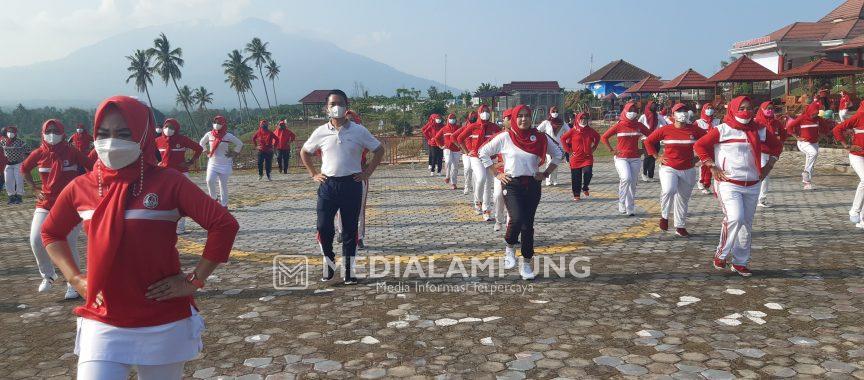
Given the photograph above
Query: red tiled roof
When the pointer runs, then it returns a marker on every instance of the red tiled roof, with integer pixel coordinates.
(848, 10)
(743, 69)
(316, 96)
(531, 86)
(822, 67)
(687, 80)
(616, 71)
(645, 86)
(855, 43)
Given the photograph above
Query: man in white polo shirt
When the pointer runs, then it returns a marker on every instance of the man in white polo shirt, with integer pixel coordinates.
(341, 143)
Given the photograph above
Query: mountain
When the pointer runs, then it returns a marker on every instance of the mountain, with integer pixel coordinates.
(95, 72)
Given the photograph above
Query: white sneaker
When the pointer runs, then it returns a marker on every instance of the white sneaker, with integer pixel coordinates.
(46, 284)
(763, 204)
(477, 209)
(700, 186)
(554, 183)
(509, 258)
(705, 191)
(854, 219)
(548, 182)
(431, 174)
(465, 190)
(526, 271)
(860, 225)
(808, 186)
(644, 178)
(71, 294)
(497, 226)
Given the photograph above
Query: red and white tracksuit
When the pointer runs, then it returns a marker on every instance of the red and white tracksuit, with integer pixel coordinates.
(172, 149)
(856, 160)
(731, 152)
(704, 171)
(473, 136)
(775, 127)
(627, 162)
(452, 154)
(677, 173)
(808, 130)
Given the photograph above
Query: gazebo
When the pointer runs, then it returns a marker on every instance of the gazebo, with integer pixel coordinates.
(649, 85)
(822, 68)
(314, 100)
(696, 85)
(744, 71)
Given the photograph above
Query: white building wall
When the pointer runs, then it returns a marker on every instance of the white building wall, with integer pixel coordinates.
(768, 59)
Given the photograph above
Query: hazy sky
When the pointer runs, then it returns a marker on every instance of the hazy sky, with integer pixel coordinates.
(485, 40)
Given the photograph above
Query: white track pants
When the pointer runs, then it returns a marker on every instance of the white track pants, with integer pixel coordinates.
(217, 185)
(628, 172)
(811, 152)
(181, 224)
(451, 164)
(105, 370)
(501, 215)
(857, 163)
(482, 184)
(46, 267)
(553, 177)
(739, 207)
(14, 180)
(676, 186)
(763, 187)
(466, 168)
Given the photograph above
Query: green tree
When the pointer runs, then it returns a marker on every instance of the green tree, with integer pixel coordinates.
(141, 72)
(239, 76)
(202, 98)
(273, 74)
(485, 87)
(184, 98)
(168, 64)
(258, 53)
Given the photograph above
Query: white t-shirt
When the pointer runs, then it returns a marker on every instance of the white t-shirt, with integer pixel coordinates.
(517, 162)
(341, 149)
(546, 127)
(219, 162)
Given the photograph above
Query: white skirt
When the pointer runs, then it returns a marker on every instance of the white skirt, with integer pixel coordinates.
(173, 342)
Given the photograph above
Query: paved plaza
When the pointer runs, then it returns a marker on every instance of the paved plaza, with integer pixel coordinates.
(647, 303)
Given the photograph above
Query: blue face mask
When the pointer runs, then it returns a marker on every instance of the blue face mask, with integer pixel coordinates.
(829, 114)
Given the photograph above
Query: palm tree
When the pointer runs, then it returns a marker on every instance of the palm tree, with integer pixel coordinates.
(272, 74)
(168, 64)
(202, 98)
(258, 52)
(141, 72)
(184, 98)
(238, 75)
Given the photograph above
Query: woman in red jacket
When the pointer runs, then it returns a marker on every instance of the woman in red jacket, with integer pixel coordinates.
(807, 128)
(855, 127)
(444, 138)
(81, 140)
(58, 164)
(765, 116)
(138, 308)
(284, 138)
(628, 132)
(436, 155)
(580, 142)
(172, 147)
(264, 140)
(706, 121)
(470, 119)
(471, 139)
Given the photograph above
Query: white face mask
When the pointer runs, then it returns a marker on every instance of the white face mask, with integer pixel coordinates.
(583, 123)
(117, 153)
(554, 114)
(500, 123)
(168, 132)
(681, 117)
(79, 130)
(742, 121)
(158, 131)
(452, 121)
(438, 121)
(337, 112)
(630, 115)
(709, 112)
(10, 135)
(217, 126)
(52, 138)
(484, 116)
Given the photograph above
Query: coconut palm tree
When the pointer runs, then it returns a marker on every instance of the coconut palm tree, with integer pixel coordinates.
(273, 74)
(141, 71)
(168, 64)
(239, 76)
(258, 53)
(202, 98)
(184, 98)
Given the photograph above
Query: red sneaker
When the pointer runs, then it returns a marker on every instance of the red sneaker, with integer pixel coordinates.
(576, 199)
(742, 270)
(587, 194)
(682, 232)
(719, 264)
(664, 224)
(446, 180)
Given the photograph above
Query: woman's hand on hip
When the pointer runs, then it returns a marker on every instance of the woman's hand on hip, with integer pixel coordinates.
(170, 287)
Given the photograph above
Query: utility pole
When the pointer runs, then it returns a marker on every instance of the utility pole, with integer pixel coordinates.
(445, 72)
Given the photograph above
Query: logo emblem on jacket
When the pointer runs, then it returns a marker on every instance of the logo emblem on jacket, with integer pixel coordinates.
(151, 200)
(533, 138)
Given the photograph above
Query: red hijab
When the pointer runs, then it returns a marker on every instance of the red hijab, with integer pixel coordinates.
(556, 121)
(175, 125)
(218, 135)
(704, 116)
(530, 140)
(760, 115)
(54, 154)
(650, 115)
(751, 129)
(118, 186)
(579, 117)
(262, 134)
(353, 116)
(624, 121)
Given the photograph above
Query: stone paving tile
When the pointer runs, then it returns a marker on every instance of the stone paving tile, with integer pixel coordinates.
(649, 308)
